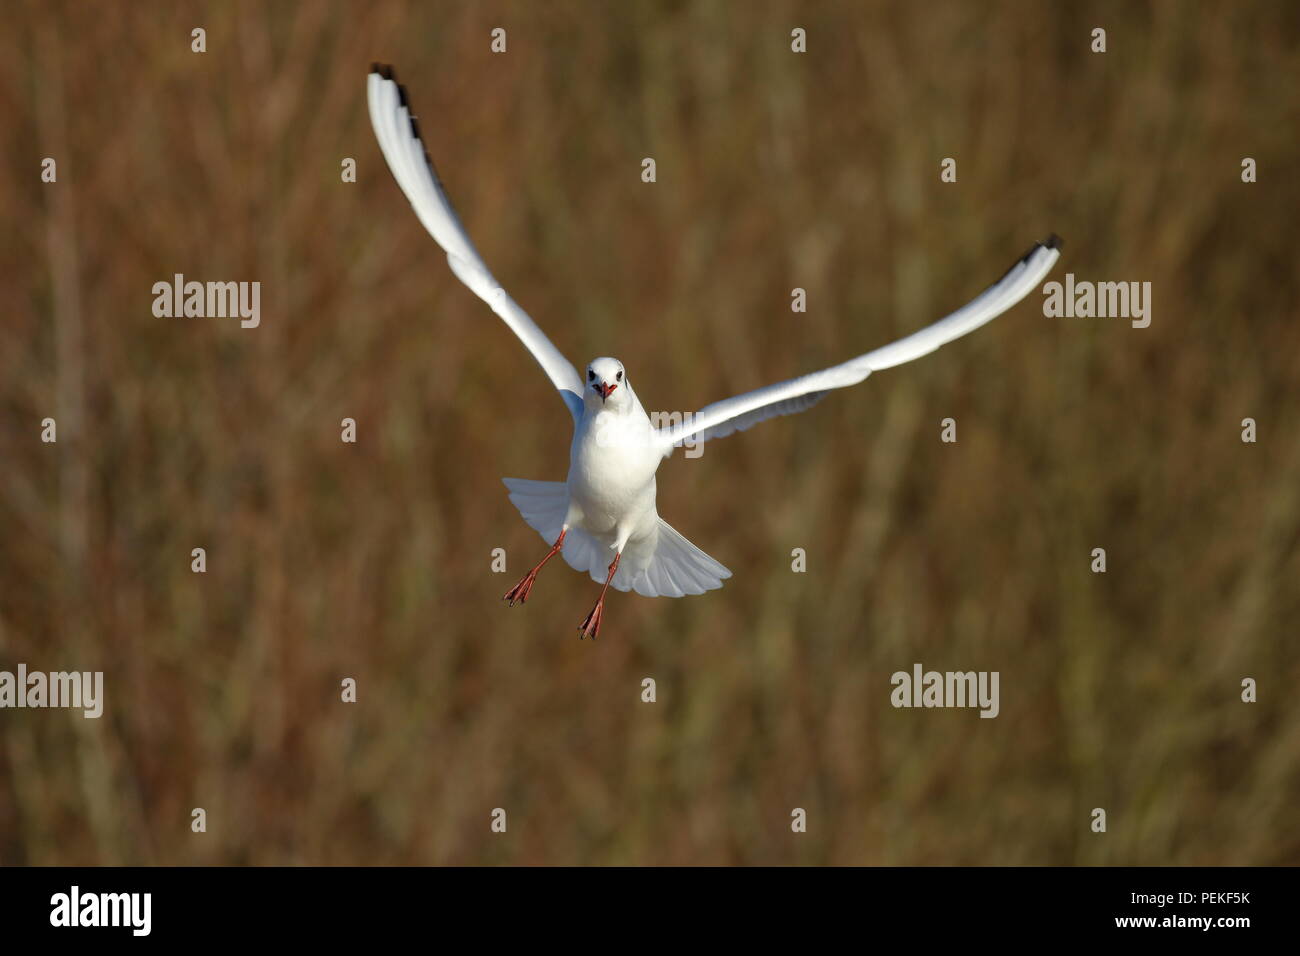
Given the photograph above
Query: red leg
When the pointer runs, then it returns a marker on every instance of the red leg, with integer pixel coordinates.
(520, 591)
(591, 626)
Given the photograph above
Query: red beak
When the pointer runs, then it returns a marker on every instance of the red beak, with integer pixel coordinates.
(605, 390)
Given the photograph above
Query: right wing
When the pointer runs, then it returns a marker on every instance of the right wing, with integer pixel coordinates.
(399, 139)
(799, 394)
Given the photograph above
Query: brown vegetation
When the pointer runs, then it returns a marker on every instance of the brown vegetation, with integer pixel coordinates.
(775, 170)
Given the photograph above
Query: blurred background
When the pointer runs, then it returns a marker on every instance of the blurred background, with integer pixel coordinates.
(775, 170)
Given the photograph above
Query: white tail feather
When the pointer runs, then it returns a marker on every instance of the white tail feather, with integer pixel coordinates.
(663, 565)
(677, 567)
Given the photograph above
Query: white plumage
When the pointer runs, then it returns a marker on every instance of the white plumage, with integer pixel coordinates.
(681, 569)
(603, 518)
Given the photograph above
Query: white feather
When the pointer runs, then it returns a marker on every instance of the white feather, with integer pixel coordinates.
(798, 394)
(400, 143)
(607, 506)
(663, 564)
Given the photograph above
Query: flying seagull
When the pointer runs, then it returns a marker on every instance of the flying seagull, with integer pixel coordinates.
(603, 518)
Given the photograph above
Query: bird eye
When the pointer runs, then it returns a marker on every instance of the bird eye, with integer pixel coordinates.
(591, 376)
(619, 376)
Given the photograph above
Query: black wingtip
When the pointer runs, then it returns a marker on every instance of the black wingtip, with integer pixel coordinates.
(386, 72)
(1051, 242)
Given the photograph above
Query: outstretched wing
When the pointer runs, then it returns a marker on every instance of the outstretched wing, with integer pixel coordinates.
(399, 139)
(797, 394)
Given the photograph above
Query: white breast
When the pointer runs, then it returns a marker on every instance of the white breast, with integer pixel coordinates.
(612, 465)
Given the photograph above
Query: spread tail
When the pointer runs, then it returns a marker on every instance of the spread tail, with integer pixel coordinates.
(677, 568)
(663, 565)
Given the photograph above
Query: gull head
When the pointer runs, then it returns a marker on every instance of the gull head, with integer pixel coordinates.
(606, 385)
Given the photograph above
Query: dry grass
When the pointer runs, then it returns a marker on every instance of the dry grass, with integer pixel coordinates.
(775, 171)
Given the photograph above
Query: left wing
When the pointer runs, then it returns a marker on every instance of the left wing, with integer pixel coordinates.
(786, 398)
(399, 139)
